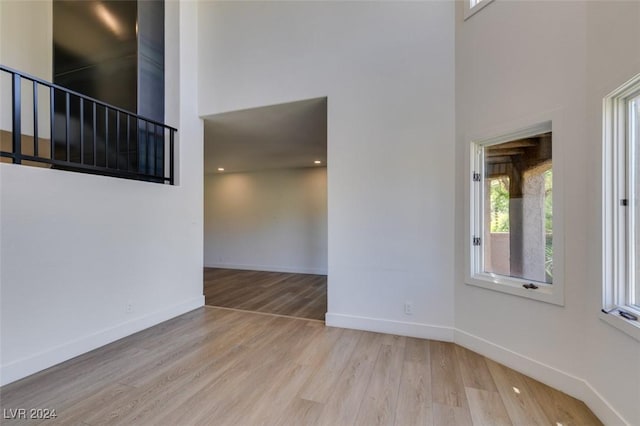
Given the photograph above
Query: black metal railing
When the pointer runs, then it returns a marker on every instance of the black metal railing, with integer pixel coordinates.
(84, 134)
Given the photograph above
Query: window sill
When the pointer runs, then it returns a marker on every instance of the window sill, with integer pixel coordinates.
(632, 328)
(470, 11)
(544, 293)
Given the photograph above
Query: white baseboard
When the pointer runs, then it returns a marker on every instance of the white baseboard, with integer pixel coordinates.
(21, 368)
(267, 268)
(401, 328)
(601, 407)
(558, 379)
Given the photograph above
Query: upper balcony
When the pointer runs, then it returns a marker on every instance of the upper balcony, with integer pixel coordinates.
(44, 124)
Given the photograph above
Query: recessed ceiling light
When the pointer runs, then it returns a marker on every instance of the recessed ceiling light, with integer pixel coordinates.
(221, 169)
(317, 162)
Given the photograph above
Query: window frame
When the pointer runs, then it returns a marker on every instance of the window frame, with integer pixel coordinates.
(472, 7)
(617, 220)
(474, 274)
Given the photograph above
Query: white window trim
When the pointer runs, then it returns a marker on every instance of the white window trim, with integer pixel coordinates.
(614, 178)
(469, 10)
(549, 293)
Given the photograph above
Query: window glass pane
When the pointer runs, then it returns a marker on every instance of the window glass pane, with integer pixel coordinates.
(518, 209)
(634, 140)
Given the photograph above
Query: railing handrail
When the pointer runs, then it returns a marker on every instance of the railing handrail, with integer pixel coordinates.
(144, 156)
(85, 97)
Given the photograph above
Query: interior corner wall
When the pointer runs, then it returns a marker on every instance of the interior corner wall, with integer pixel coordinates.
(272, 220)
(387, 70)
(519, 61)
(77, 249)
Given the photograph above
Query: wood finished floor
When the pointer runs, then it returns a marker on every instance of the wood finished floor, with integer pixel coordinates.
(296, 295)
(217, 366)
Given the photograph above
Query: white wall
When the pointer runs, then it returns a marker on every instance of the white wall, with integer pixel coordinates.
(273, 220)
(520, 60)
(77, 248)
(26, 44)
(26, 36)
(388, 72)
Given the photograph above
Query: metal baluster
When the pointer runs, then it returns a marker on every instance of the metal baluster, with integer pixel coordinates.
(81, 131)
(17, 119)
(95, 136)
(35, 119)
(171, 155)
(160, 151)
(155, 150)
(106, 137)
(52, 120)
(148, 165)
(67, 124)
(118, 140)
(128, 142)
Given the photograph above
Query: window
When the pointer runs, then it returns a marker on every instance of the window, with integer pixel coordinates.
(621, 208)
(473, 6)
(512, 219)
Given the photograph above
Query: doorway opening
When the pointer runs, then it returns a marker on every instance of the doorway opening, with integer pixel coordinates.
(265, 209)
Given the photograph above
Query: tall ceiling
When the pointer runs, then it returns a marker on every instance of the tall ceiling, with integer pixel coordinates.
(290, 135)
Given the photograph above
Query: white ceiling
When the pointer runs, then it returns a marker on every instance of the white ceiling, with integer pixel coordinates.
(290, 135)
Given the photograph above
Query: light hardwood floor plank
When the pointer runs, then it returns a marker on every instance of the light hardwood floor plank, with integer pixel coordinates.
(352, 386)
(486, 408)
(228, 367)
(281, 381)
(446, 415)
(414, 394)
(518, 400)
(227, 390)
(474, 370)
(378, 406)
(559, 407)
(447, 387)
(303, 411)
(328, 366)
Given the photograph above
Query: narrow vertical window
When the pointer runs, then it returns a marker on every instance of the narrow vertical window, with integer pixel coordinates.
(633, 110)
(621, 207)
(512, 213)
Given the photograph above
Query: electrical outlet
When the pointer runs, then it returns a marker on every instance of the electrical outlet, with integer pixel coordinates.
(408, 308)
(129, 307)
